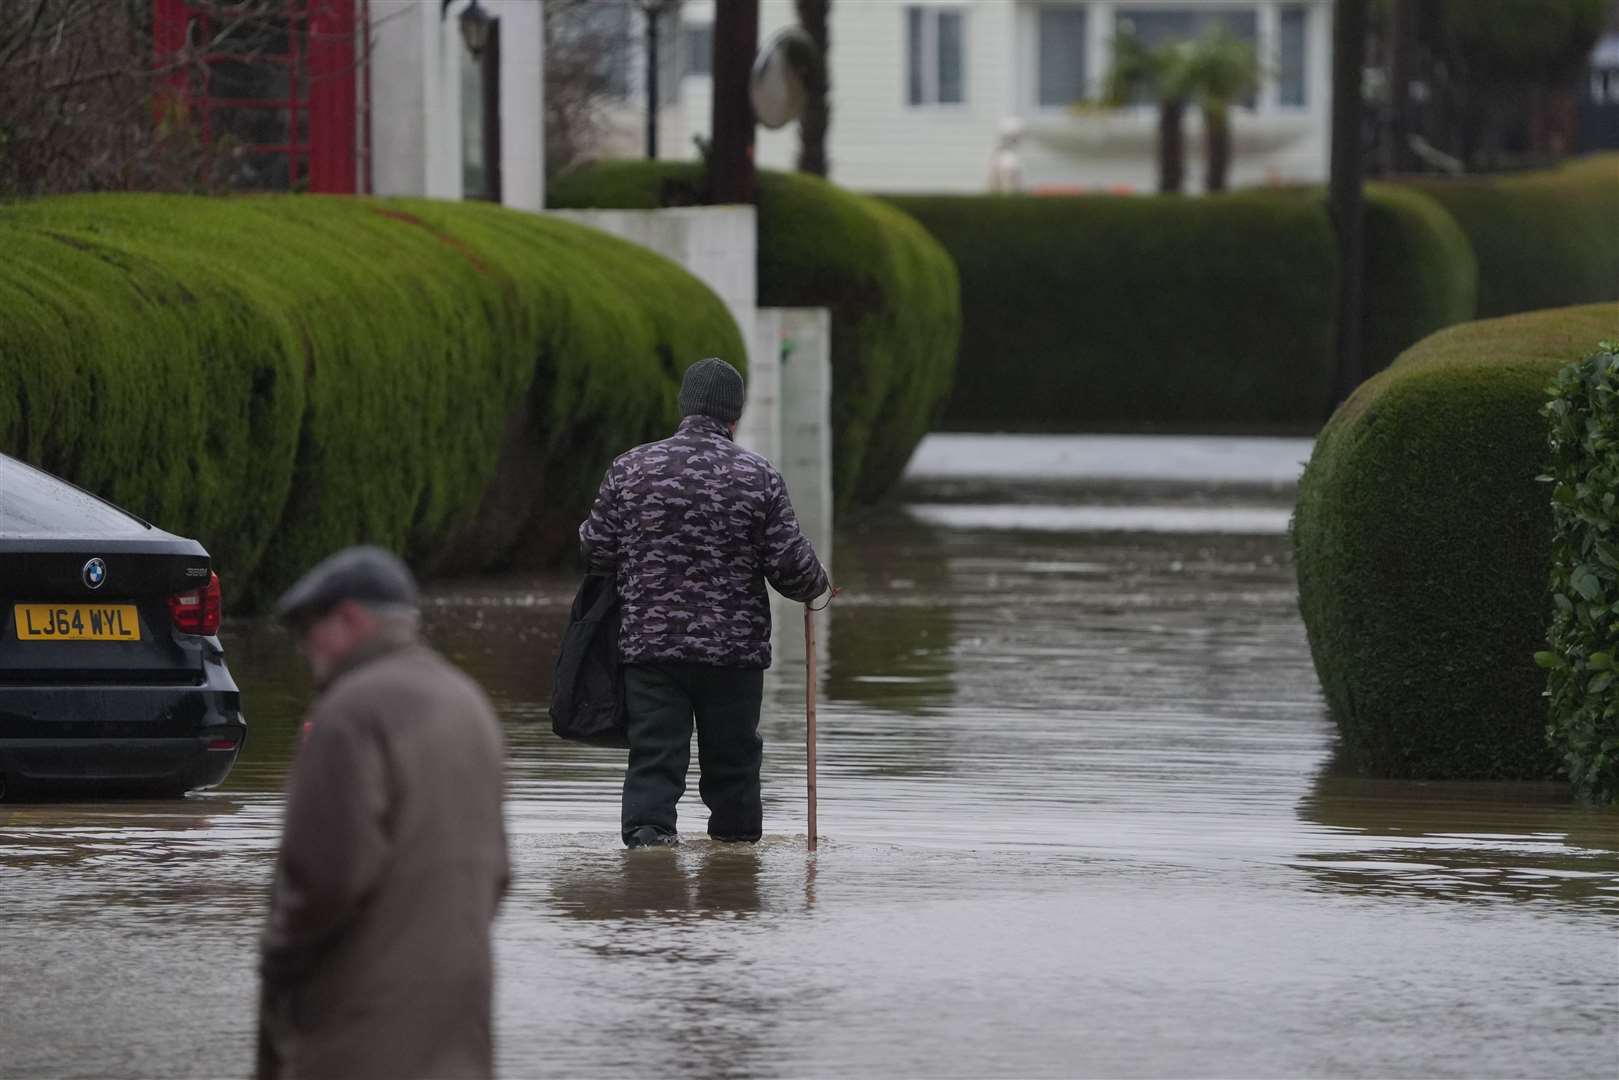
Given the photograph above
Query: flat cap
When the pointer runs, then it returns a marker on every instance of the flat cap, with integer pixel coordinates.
(367, 574)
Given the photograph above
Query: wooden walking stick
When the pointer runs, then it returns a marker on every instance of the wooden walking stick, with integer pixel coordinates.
(809, 716)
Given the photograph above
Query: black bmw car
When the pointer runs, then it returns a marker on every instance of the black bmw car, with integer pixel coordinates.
(111, 671)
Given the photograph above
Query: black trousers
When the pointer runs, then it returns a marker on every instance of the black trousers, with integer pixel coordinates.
(661, 701)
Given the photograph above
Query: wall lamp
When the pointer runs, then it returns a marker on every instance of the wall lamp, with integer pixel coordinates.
(475, 22)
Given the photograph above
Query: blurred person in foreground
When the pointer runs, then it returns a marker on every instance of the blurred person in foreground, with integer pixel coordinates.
(692, 527)
(375, 960)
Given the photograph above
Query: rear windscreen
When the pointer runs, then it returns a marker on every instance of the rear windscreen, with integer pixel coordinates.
(33, 504)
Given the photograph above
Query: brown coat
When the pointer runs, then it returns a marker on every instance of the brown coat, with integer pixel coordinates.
(376, 956)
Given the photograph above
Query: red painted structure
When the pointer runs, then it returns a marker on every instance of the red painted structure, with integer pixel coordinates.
(284, 89)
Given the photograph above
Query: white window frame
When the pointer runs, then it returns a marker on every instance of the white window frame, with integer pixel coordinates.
(1031, 49)
(930, 57)
(693, 27)
(1271, 91)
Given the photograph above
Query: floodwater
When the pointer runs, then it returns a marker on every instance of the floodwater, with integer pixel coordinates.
(1078, 815)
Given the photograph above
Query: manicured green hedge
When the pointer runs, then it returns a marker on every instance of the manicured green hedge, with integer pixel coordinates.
(1421, 274)
(891, 290)
(148, 375)
(1543, 239)
(1423, 543)
(1107, 312)
(279, 376)
(1584, 637)
(1098, 312)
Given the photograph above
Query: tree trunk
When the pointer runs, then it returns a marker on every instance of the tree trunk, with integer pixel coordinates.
(1217, 148)
(652, 84)
(1171, 147)
(1346, 196)
(1402, 46)
(736, 39)
(813, 17)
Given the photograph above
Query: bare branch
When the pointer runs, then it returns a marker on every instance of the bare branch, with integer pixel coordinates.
(74, 81)
(82, 89)
(25, 36)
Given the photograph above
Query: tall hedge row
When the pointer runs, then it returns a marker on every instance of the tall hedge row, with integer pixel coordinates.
(892, 292)
(1542, 239)
(1423, 545)
(1095, 312)
(1101, 311)
(279, 376)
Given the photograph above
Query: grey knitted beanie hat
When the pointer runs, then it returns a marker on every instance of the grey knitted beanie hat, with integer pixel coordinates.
(712, 388)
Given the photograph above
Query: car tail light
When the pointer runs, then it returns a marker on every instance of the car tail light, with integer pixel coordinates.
(197, 612)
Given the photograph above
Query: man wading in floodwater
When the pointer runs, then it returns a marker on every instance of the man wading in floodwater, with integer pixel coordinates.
(694, 526)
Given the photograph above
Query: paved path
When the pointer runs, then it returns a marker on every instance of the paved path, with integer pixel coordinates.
(1192, 459)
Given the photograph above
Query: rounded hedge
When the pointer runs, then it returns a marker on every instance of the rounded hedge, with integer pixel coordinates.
(1097, 312)
(1542, 239)
(1423, 545)
(891, 290)
(280, 376)
(1421, 274)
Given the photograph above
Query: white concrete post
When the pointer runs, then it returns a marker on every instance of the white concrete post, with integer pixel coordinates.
(522, 103)
(806, 419)
(1099, 33)
(1269, 51)
(805, 459)
(1318, 35)
(441, 100)
(399, 147)
(415, 100)
(760, 427)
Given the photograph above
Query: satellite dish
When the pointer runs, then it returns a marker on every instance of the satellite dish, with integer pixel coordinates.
(777, 87)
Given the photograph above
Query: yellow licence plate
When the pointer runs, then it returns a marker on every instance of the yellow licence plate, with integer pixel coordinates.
(77, 622)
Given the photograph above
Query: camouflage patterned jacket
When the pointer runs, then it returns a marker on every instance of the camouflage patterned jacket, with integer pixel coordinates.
(694, 526)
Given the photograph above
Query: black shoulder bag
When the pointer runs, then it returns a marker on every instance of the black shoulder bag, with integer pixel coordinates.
(587, 699)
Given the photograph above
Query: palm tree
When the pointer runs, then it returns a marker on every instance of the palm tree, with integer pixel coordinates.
(1217, 71)
(1168, 74)
(1225, 71)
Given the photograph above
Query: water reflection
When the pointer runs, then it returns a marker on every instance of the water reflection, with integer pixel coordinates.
(720, 882)
(64, 866)
(1479, 843)
(276, 692)
(893, 630)
(34, 835)
(690, 931)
